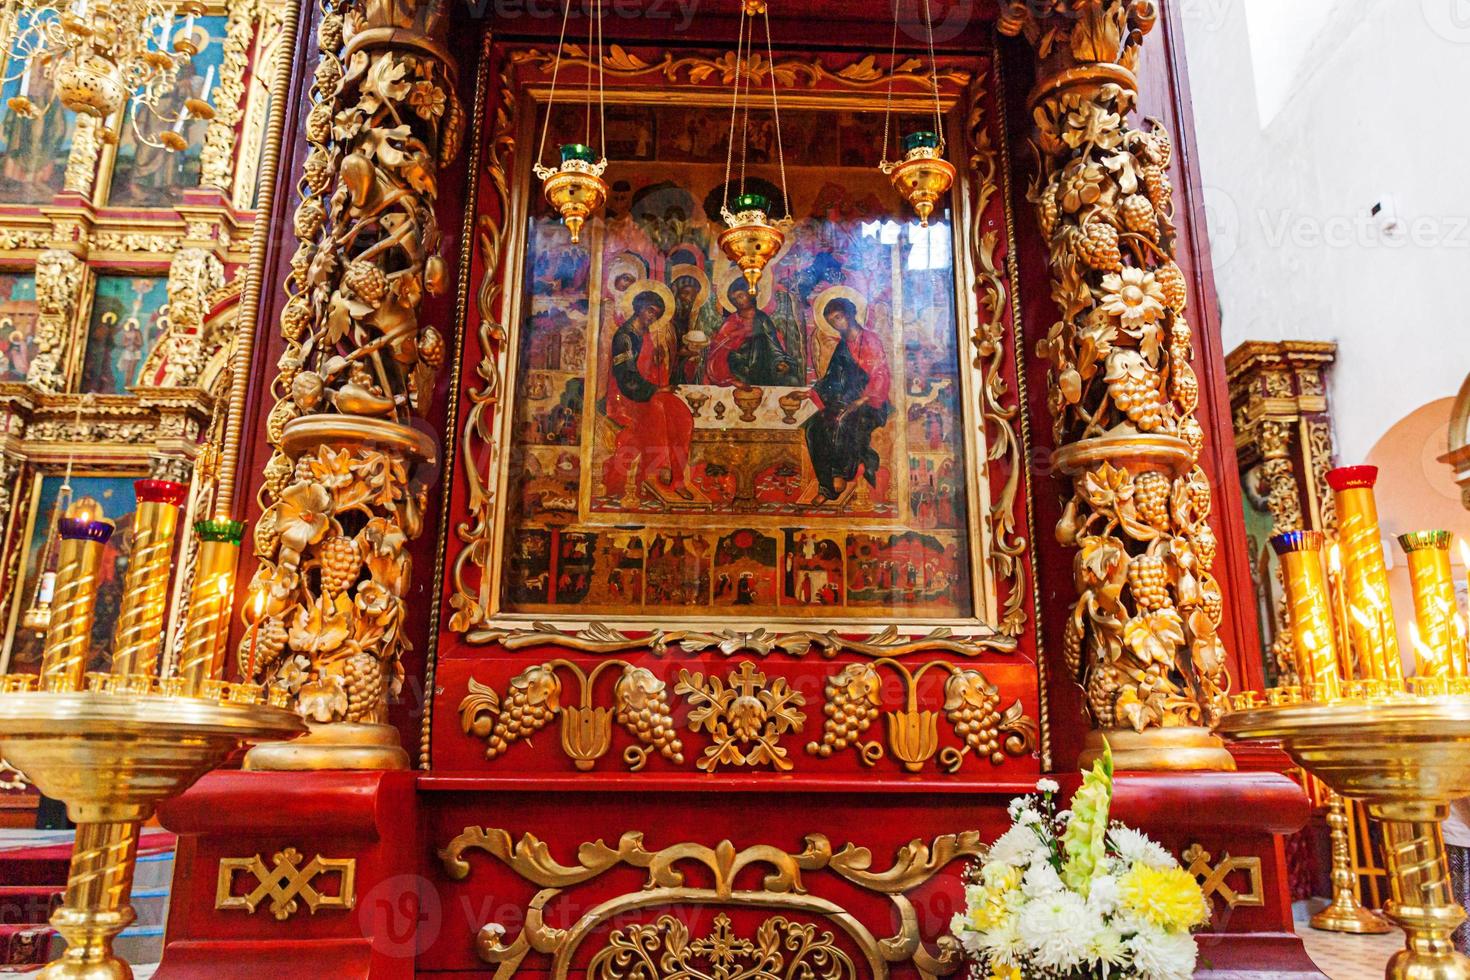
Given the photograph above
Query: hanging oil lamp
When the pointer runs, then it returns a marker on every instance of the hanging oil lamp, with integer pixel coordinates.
(576, 188)
(751, 237)
(923, 176)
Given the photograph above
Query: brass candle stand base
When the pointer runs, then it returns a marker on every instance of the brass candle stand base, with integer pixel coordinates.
(1346, 913)
(112, 757)
(1406, 758)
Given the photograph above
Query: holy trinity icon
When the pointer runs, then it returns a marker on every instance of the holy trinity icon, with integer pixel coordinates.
(681, 439)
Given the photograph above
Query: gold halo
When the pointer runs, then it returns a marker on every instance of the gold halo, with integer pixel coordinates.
(625, 301)
(697, 274)
(727, 275)
(820, 301)
(624, 262)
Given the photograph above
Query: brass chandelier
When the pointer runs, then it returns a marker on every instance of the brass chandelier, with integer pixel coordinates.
(100, 54)
(923, 176)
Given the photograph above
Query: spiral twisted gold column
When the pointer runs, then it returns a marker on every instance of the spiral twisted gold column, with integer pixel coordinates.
(1440, 651)
(202, 655)
(145, 587)
(1423, 904)
(97, 905)
(1310, 611)
(73, 606)
(1365, 572)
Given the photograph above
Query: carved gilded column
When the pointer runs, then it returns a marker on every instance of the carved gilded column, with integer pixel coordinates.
(326, 609)
(1142, 637)
(60, 277)
(1283, 448)
(81, 161)
(217, 157)
(193, 275)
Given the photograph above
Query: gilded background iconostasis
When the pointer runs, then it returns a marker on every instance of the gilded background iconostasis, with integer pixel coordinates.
(119, 287)
(739, 575)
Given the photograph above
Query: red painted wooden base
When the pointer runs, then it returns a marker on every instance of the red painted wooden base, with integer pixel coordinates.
(410, 917)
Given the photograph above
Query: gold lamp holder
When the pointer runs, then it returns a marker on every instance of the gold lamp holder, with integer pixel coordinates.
(751, 239)
(576, 188)
(923, 176)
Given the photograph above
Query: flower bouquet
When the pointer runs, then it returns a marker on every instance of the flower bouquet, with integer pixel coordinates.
(1066, 895)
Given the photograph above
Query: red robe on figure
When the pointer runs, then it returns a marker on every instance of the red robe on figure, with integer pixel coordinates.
(657, 426)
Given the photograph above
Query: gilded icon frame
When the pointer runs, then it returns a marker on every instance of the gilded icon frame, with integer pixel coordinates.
(985, 315)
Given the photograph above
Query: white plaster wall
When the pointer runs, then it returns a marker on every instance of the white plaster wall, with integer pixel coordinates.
(1332, 106)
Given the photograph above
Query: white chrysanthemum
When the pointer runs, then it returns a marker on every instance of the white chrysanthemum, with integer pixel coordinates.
(1106, 950)
(1015, 846)
(1048, 786)
(1001, 945)
(1042, 881)
(1028, 817)
(1136, 848)
(1159, 955)
(1102, 895)
(1057, 930)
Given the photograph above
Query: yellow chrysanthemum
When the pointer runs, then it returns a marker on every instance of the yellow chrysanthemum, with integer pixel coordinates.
(1169, 898)
(1004, 971)
(1000, 878)
(989, 911)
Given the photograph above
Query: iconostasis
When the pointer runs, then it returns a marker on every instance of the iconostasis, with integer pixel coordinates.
(118, 288)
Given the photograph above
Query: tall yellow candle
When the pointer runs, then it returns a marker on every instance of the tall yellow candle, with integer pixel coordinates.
(1310, 609)
(1364, 569)
(1442, 650)
(203, 655)
(145, 587)
(73, 608)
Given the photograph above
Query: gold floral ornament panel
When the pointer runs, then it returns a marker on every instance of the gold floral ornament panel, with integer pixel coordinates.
(749, 719)
(504, 589)
(691, 874)
(284, 882)
(665, 950)
(1142, 637)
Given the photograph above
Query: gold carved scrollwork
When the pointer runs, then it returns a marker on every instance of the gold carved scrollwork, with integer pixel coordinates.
(285, 881)
(788, 887)
(664, 950)
(888, 642)
(60, 276)
(217, 157)
(183, 350)
(1142, 637)
(343, 492)
(865, 73)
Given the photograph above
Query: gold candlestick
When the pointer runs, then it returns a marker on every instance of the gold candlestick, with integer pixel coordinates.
(1441, 651)
(145, 587)
(69, 639)
(1363, 565)
(1346, 913)
(203, 653)
(1311, 614)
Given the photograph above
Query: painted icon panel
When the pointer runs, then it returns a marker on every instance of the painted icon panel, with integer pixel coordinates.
(679, 439)
(126, 320)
